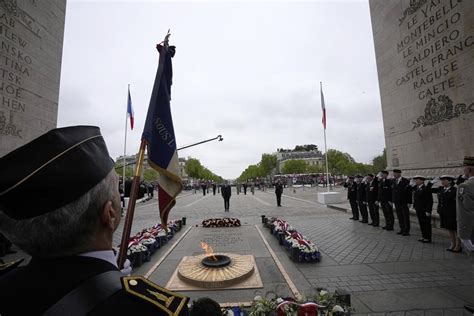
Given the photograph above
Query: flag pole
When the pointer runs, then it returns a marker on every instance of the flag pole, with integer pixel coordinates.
(325, 144)
(125, 144)
(127, 227)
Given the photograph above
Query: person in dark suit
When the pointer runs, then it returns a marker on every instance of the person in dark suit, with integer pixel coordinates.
(401, 197)
(226, 193)
(278, 192)
(371, 190)
(384, 197)
(73, 269)
(423, 204)
(245, 188)
(447, 211)
(362, 199)
(352, 197)
(214, 188)
(203, 187)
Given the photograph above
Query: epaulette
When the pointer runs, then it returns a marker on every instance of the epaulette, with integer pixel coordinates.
(169, 302)
(6, 267)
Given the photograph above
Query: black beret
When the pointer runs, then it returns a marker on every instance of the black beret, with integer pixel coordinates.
(397, 170)
(384, 171)
(52, 171)
(370, 175)
(468, 161)
(351, 177)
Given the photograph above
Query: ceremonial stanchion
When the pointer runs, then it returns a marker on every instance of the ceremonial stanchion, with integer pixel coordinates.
(127, 227)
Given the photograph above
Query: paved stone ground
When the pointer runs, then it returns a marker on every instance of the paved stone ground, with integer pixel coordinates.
(385, 273)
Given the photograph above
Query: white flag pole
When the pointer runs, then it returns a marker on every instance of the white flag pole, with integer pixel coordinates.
(125, 142)
(323, 106)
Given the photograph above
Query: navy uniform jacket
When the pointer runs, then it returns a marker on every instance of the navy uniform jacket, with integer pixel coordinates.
(226, 191)
(361, 195)
(351, 190)
(385, 191)
(401, 192)
(447, 201)
(372, 190)
(423, 198)
(33, 289)
(278, 188)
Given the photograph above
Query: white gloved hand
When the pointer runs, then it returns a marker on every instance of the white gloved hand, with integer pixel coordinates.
(428, 214)
(127, 268)
(412, 183)
(435, 180)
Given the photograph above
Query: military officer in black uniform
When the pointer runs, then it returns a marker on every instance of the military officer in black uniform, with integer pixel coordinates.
(278, 192)
(73, 269)
(401, 197)
(352, 197)
(423, 204)
(384, 197)
(362, 199)
(226, 192)
(372, 189)
(447, 211)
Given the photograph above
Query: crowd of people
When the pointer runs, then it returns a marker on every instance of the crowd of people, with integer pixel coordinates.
(368, 194)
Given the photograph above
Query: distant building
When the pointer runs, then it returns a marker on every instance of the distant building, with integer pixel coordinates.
(182, 170)
(311, 157)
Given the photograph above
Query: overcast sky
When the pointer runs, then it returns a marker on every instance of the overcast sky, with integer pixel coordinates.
(247, 70)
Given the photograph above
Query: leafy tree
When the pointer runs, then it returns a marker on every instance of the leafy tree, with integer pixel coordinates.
(379, 163)
(268, 163)
(315, 169)
(150, 174)
(294, 166)
(128, 171)
(193, 168)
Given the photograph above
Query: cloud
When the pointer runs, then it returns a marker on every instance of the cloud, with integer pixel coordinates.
(247, 70)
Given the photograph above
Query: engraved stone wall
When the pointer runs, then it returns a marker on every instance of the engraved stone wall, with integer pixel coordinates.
(31, 41)
(425, 62)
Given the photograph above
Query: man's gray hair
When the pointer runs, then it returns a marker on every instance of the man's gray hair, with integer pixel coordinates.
(66, 231)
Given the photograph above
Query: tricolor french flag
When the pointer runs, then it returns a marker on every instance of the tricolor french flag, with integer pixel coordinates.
(160, 138)
(130, 112)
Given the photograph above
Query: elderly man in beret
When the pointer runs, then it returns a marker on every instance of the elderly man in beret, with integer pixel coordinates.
(68, 233)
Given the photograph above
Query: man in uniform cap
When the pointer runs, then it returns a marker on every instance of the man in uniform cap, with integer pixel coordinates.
(362, 199)
(465, 212)
(423, 204)
(401, 197)
(385, 198)
(371, 194)
(68, 233)
(352, 197)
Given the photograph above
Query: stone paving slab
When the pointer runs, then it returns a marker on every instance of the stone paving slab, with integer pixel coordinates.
(409, 300)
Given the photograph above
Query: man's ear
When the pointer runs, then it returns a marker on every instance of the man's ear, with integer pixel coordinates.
(108, 215)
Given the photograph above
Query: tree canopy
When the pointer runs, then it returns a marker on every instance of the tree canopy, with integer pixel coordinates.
(196, 170)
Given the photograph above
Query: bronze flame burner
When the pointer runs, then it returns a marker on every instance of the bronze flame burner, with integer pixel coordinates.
(211, 262)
